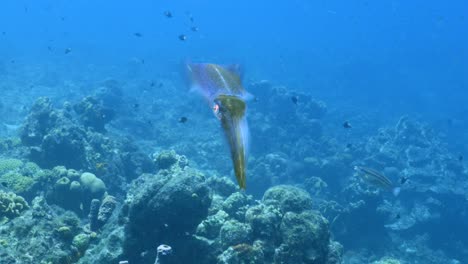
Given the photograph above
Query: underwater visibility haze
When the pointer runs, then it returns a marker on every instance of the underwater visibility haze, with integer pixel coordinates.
(233, 132)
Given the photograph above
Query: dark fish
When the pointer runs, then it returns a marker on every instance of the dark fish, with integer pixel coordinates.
(397, 216)
(49, 48)
(255, 99)
(376, 178)
(136, 106)
(160, 85)
(67, 50)
(349, 145)
(183, 37)
(347, 125)
(152, 84)
(168, 14)
(460, 158)
(3, 33)
(183, 119)
(194, 29)
(403, 180)
(295, 99)
(138, 34)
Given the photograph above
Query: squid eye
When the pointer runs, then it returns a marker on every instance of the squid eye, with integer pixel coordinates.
(216, 108)
(216, 111)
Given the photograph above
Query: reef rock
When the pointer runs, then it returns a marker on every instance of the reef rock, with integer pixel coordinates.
(175, 201)
(288, 198)
(93, 114)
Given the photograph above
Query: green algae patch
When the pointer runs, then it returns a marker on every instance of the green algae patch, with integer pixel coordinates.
(7, 165)
(17, 182)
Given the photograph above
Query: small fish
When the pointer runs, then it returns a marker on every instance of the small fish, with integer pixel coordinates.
(349, 145)
(138, 34)
(136, 106)
(3, 33)
(182, 37)
(49, 48)
(101, 165)
(152, 84)
(194, 29)
(460, 158)
(168, 14)
(403, 180)
(160, 85)
(183, 119)
(397, 216)
(67, 50)
(295, 99)
(376, 178)
(347, 125)
(255, 99)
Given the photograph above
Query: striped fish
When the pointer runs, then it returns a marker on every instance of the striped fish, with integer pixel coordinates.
(222, 88)
(376, 178)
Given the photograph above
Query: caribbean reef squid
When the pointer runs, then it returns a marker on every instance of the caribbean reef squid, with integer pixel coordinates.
(222, 87)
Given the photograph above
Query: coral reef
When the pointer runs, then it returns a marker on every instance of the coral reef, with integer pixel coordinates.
(176, 202)
(11, 205)
(29, 238)
(306, 112)
(280, 229)
(168, 158)
(108, 205)
(54, 138)
(68, 159)
(75, 192)
(7, 165)
(213, 225)
(23, 178)
(93, 114)
(288, 198)
(387, 260)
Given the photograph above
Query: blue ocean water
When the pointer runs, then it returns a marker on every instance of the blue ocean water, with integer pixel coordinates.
(335, 85)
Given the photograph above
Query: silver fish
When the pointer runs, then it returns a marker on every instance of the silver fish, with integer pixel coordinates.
(377, 179)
